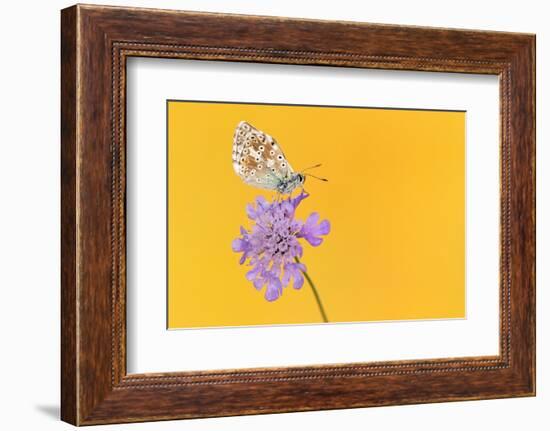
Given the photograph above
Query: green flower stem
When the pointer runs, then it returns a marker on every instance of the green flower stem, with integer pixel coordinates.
(315, 293)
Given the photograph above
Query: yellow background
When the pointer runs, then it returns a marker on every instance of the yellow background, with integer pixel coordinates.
(395, 199)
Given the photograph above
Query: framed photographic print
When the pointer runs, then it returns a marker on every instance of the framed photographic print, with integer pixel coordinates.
(317, 215)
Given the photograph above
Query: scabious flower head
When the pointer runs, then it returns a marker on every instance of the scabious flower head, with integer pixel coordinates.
(272, 245)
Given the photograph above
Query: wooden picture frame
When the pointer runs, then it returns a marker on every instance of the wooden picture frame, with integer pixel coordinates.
(95, 43)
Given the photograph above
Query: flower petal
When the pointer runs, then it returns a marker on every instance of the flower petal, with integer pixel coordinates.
(311, 230)
(258, 283)
(239, 245)
(312, 220)
(324, 227)
(251, 211)
(253, 273)
(274, 289)
(313, 240)
(296, 201)
(287, 275)
(298, 280)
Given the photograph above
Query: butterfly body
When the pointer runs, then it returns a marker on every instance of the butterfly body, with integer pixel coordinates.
(259, 161)
(287, 185)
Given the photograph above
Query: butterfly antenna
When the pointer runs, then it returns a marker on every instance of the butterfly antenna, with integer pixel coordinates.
(311, 167)
(316, 177)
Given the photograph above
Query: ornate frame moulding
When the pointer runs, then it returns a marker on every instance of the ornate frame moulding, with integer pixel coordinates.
(96, 41)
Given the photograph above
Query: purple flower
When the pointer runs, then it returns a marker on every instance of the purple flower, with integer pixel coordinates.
(272, 245)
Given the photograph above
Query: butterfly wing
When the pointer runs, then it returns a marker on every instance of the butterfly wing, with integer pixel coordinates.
(258, 159)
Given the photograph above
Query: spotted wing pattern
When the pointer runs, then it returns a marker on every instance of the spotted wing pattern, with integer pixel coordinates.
(258, 159)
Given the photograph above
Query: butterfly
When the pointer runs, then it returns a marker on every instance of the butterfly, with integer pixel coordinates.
(260, 162)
